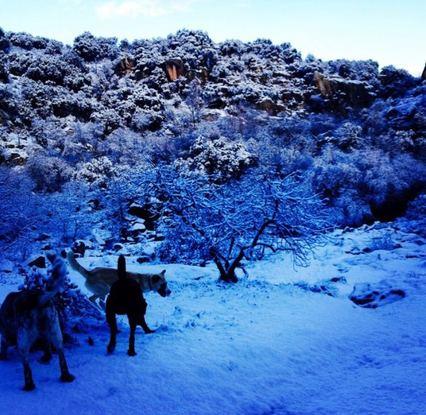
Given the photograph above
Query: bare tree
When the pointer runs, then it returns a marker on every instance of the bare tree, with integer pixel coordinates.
(26, 215)
(21, 211)
(237, 221)
(194, 101)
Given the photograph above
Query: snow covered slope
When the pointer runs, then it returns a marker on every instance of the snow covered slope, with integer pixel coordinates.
(270, 344)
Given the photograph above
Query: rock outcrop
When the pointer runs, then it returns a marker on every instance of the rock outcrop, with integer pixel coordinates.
(353, 92)
(375, 295)
(174, 69)
(125, 65)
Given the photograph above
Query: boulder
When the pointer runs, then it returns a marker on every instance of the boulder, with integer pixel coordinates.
(14, 156)
(125, 65)
(323, 84)
(79, 247)
(341, 280)
(117, 247)
(42, 237)
(354, 251)
(95, 204)
(375, 295)
(147, 212)
(326, 286)
(352, 92)
(270, 106)
(143, 259)
(137, 227)
(39, 262)
(108, 244)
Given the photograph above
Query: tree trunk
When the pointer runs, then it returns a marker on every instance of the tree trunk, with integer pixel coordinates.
(228, 277)
(226, 268)
(226, 271)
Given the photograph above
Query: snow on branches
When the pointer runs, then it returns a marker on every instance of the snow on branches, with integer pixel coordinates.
(237, 221)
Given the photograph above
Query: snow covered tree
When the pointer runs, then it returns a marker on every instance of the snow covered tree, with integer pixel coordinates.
(4, 42)
(27, 41)
(48, 173)
(4, 73)
(237, 221)
(20, 211)
(61, 216)
(395, 82)
(194, 101)
(74, 308)
(108, 120)
(91, 48)
(96, 171)
(218, 157)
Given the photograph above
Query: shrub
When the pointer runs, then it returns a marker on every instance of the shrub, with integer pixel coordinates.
(4, 73)
(218, 157)
(75, 310)
(107, 119)
(47, 68)
(27, 41)
(97, 171)
(4, 42)
(49, 173)
(395, 82)
(92, 49)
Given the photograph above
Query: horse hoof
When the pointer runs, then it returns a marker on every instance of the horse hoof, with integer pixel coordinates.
(29, 387)
(68, 378)
(131, 353)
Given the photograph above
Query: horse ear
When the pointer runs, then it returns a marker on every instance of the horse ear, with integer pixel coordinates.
(163, 272)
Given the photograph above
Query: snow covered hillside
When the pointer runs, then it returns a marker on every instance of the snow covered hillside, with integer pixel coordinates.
(282, 341)
(78, 121)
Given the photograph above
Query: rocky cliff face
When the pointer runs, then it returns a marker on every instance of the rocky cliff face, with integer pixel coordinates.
(109, 83)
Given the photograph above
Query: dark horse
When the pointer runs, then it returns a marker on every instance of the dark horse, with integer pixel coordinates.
(125, 297)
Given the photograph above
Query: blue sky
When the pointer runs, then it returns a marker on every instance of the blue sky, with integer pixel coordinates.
(390, 32)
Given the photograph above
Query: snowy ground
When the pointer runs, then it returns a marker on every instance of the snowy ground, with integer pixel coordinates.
(263, 346)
